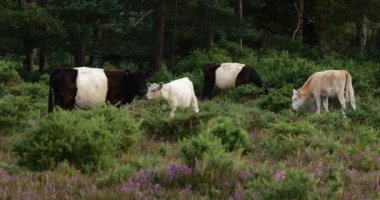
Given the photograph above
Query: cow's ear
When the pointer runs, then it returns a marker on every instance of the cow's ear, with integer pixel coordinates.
(294, 91)
(161, 85)
(148, 85)
(127, 72)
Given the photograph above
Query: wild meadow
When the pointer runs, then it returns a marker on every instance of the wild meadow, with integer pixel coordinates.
(242, 144)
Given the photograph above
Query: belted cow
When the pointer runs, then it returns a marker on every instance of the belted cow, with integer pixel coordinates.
(179, 93)
(229, 75)
(85, 87)
(326, 84)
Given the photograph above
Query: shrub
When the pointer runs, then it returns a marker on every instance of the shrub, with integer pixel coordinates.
(8, 74)
(231, 135)
(22, 104)
(157, 123)
(281, 146)
(198, 59)
(89, 140)
(294, 128)
(202, 147)
(277, 99)
(294, 184)
(163, 75)
(14, 111)
(243, 93)
(117, 175)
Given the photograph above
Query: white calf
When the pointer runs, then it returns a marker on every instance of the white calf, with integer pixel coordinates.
(179, 92)
(326, 84)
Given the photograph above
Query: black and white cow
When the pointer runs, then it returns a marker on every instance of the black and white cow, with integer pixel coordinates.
(229, 75)
(85, 87)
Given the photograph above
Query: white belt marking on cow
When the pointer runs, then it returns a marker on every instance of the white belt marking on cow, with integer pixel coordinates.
(226, 74)
(92, 84)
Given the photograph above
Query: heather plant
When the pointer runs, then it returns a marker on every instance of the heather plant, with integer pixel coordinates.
(281, 146)
(231, 135)
(14, 111)
(157, 123)
(198, 59)
(117, 175)
(278, 69)
(204, 147)
(162, 75)
(88, 140)
(294, 128)
(293, 184)
(8, 73)
(243, 93)
(277, 99)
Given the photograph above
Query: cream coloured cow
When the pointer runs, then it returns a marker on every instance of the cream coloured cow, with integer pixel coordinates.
(326, 84)
(179, 93)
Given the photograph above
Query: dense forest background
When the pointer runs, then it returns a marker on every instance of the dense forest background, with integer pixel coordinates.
(147, 33)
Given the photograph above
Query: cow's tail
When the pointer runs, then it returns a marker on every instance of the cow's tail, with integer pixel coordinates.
(350, 91)
(51, 96)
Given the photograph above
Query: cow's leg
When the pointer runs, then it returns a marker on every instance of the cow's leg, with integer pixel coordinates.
(208, 85)
(326, 103)
(194, 103)
(174, 108)
(342, 102)
(318, 100)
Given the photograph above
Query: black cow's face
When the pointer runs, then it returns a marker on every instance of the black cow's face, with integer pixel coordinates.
(138, 80)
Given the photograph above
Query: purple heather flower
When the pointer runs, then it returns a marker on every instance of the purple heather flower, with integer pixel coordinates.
(171, 171)
(157, 187)
(238, 192)
(185, 169)
(254, 172)
(377, 159)
(253, 133)
(188, 187)
(347, 197)
(28, 197)
(243, 175)
(2, 173)
(277, 176)
(130, 186)
(353, 171)
(94, 188)
(149, 175)
(319, 171)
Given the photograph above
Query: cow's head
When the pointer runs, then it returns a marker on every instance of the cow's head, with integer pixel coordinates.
(154, 90)
(138, 80)
(297, 100)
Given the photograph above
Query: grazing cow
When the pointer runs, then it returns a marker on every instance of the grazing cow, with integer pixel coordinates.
(179, 92)
(85, 87)
(326, 84)
(228, 75)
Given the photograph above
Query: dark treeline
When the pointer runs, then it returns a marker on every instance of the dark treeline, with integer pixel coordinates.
(149, 32)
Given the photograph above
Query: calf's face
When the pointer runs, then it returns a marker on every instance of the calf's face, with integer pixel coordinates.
(297, 101)
(154, 90)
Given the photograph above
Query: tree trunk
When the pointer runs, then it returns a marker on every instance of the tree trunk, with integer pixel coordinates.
(309, 29)
(174, 34)
(210, 42)
(363, 34)
(158, 30)
(94, 57)
(29, 56)
(301, 10)
(239, 13)
(79, 52)
(42, 60)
